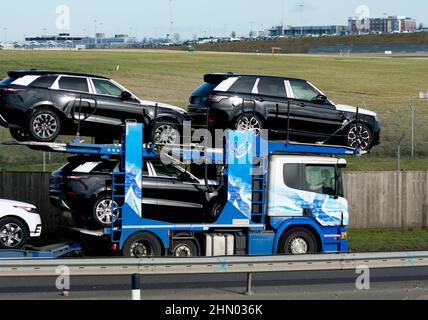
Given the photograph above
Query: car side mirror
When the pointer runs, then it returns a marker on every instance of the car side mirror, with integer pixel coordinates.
(320, 99)
(125, 95)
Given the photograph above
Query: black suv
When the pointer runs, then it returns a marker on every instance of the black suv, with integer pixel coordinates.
(40, 105)
(83, 187)
(282, 105)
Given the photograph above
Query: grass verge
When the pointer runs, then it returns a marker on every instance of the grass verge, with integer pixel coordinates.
(369, 240)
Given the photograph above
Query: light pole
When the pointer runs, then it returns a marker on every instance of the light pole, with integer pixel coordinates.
(301, 6)
(95, 34)
(5, 37)
(412, 110)
(400, 141)
(171, 22)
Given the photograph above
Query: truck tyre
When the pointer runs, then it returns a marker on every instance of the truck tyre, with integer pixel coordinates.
(184, 248)
(298, 241)
(44, 125)
(13, 233)
(141, 245)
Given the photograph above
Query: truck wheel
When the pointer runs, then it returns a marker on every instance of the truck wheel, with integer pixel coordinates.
(142, 244)
(298, 241)
(44, 125)
(13, 233)
(184, 248)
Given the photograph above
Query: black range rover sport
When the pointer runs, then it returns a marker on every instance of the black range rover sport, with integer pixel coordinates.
(40, 105)
(280, 104)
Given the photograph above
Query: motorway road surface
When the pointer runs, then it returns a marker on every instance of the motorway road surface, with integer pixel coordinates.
(401, 283)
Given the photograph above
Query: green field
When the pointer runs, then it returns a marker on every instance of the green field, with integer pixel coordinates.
(388, 240)
(385, 85)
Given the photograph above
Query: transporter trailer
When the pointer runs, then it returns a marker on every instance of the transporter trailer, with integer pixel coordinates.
(279, 198)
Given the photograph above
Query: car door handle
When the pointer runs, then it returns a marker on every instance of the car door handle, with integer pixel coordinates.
(301, 105)
(260, 99)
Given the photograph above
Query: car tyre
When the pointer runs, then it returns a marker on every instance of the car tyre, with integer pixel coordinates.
(298, 241)
(249, 122)
(44, 125)
(165, 133)
(214, 210)
(19, 135)
(359, 136)
(13, 233)
(142, 244)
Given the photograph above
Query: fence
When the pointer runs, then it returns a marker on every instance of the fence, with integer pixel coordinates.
(376, 199)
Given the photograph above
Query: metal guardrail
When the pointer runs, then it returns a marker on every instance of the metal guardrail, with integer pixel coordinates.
(232, 264)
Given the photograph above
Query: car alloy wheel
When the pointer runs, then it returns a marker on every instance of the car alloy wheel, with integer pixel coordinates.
(249, 123)
(359, 136)
(11, 235)
(45, 126)
(103, 211)
(166, 134)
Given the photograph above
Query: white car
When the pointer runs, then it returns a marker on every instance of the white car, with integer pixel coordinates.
(19, 221)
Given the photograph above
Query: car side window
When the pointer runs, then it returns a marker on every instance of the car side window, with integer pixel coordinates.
(44, 82)
(320, 179)
(74, 84)
(166, 171)
(105, 87)
(272, 87)
(303, 90)
(292, 175)
(243, 85)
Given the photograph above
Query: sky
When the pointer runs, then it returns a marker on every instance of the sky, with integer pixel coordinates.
(190, 18)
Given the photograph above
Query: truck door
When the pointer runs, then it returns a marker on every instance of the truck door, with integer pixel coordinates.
(285, 196)
(322, 195)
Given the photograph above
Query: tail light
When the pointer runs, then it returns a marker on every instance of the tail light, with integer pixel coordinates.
(217, 99)
(12, 90)
(75, 177)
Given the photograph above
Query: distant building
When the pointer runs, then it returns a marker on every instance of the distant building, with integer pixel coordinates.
(67, 40)
(314, 31)
(306, 31)
(392, 24)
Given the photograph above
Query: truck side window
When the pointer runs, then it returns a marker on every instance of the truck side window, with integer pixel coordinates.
(320, 179)
(292, 175)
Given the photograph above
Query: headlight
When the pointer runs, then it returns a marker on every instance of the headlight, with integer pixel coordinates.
(28, 209)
